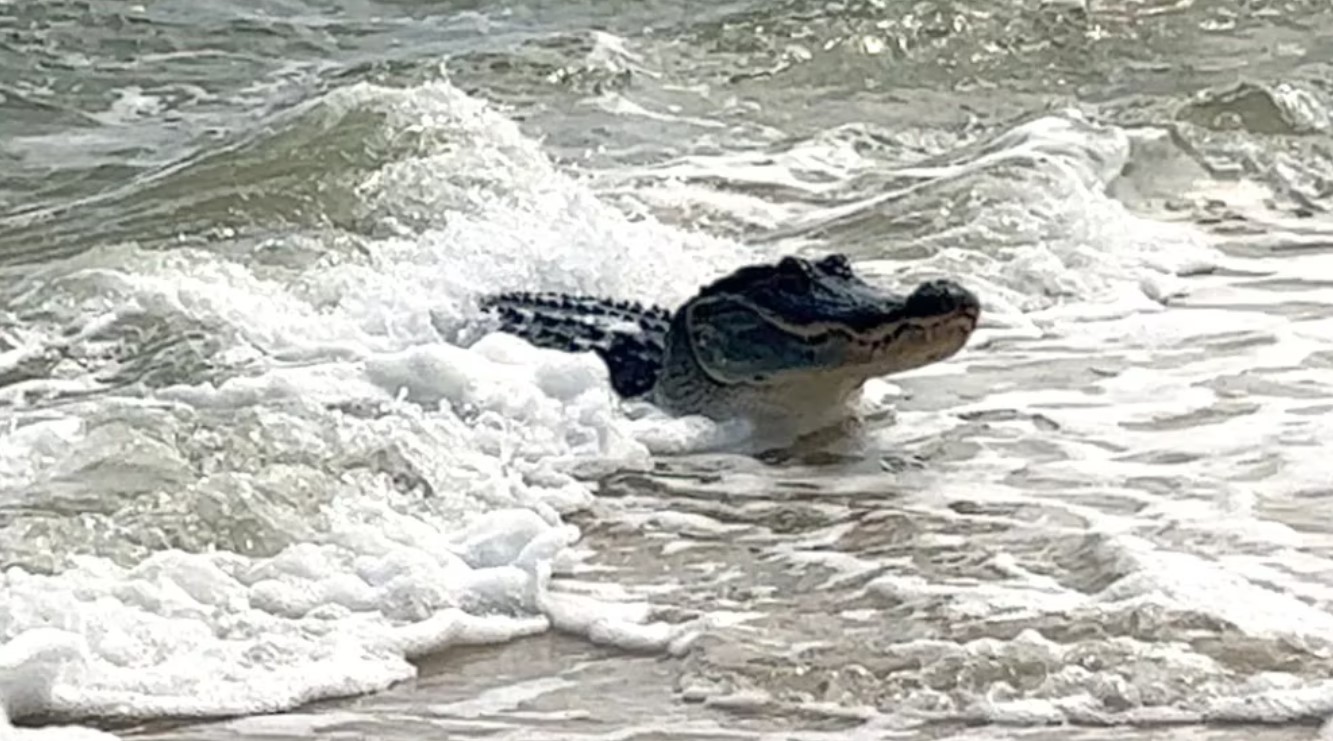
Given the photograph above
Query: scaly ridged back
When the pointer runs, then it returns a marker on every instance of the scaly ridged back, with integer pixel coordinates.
(629, 337)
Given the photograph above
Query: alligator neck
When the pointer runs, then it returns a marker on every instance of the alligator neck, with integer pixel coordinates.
(683, 387)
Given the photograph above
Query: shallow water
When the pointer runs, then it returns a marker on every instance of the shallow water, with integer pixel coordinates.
(259, 455)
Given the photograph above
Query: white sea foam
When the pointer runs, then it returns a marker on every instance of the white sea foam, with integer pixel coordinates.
(326, 549)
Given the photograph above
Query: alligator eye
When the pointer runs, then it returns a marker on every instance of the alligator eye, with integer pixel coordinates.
(795, 272)
(837, 264)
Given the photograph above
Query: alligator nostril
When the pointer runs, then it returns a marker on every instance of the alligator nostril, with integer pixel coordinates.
(930, 298)
(941, 297)
(967, 300)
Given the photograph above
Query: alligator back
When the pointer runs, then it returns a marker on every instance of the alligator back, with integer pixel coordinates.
(629, 337)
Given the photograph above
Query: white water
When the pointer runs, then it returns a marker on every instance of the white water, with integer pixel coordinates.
(369, 575)
(341, 573)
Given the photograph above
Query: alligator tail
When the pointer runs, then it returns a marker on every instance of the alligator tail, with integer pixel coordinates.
(628, 336)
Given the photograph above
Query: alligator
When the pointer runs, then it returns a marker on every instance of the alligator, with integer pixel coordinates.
(793, 339)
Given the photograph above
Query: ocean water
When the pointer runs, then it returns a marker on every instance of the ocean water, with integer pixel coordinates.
(265, 473)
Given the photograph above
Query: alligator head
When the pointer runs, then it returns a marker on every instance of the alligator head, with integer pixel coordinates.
(799, 338)
(798, 319)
